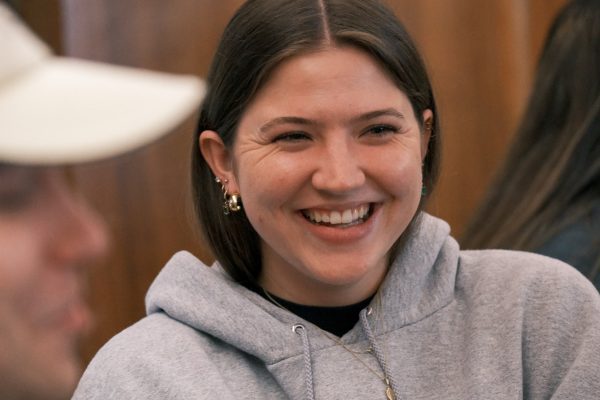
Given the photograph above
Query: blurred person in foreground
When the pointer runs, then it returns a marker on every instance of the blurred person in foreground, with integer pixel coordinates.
(57, 111)
(546, 197)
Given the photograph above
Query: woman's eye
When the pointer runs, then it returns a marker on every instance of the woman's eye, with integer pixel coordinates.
(381, 130)
(292, 137)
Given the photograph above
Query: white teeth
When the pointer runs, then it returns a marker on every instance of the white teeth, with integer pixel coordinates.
(347, 217)
(318, 217)
(335, 218)
(338, 217)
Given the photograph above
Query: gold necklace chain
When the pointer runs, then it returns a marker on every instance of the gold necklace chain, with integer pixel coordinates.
(389, 392)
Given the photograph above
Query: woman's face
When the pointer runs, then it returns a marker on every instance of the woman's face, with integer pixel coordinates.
(48, 236)
(327, 160)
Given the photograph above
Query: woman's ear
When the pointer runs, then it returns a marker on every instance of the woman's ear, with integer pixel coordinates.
(218, 158)
(427, 130)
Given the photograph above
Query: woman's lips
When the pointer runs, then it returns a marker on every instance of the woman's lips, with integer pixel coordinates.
(343, 234)
(339, 218)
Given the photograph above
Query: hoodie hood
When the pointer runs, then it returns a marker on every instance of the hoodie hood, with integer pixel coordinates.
(482, 324)
(420, 282)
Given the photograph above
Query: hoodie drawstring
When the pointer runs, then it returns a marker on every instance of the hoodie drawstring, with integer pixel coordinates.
(300, 330)
(379, 356)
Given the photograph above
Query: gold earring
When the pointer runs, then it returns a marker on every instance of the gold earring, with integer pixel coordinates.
(231, 203)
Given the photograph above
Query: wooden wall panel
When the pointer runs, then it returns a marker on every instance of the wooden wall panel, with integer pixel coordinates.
(145, 195)
(476, 57)
(44, 17)
(481, 56)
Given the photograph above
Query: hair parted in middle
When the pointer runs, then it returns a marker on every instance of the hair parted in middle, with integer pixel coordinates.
(258, 38)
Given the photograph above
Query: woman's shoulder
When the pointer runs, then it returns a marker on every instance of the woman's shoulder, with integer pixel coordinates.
(553, 309)
(524, 275)
(136, 358)
(156, 328)
(549, 300)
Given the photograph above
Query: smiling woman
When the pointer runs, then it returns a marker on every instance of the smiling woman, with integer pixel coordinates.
(327, 137)
(316, 149)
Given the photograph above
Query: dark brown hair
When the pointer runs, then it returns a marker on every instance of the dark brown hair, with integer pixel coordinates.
(259, 36)
(551, 176)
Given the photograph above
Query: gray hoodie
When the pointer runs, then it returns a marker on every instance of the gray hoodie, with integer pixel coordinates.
(447, 325)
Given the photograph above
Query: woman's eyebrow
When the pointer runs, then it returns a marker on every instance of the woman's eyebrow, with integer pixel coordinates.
(305, 121)
(379, 113)
(286, 120)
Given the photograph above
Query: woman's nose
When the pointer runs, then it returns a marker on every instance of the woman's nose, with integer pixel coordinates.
(339, 169)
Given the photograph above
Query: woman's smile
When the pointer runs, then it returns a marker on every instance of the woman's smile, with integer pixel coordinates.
(340, 227)
(339, 218)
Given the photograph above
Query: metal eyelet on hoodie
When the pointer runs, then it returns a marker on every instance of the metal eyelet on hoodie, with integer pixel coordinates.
(300, 330)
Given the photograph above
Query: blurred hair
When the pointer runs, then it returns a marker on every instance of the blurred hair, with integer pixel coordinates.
(258, 38)
(551, 176)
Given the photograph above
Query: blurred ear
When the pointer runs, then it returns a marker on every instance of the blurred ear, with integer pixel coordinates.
(427, 129)
(218, 157)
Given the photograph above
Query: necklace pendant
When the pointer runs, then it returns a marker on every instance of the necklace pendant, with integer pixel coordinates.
(389, 393)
